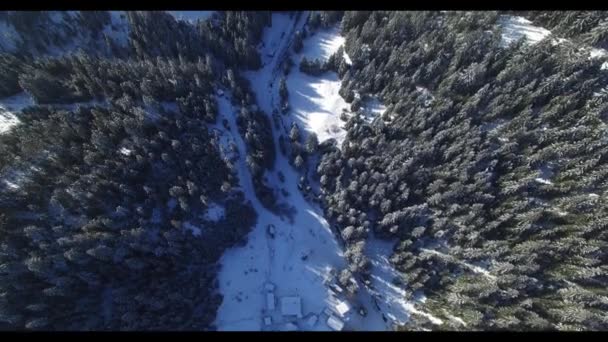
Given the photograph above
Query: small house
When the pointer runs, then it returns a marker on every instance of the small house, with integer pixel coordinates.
(336, 288)
(312, 320)
(342, 308)
(271, 230)
(290, 327)
(335, 323)
(291, 306)
(270, 301)
(269, 287)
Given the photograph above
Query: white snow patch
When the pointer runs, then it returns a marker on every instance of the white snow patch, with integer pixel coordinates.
(516, 27)
(427, 96)
(545, 173)
(316, 105)
(491, 127)
(315, 102)
(16, 103)
(214, 212)
(171, 204)
(386, 294)
(247, 269)
(118, 29)
(125, 151)
(456, 319)
(594, 195)
(347, 58)
(191, 16)
(543, 181)
(9, 37)
(156, 216)
(14, 178)
(322, 44)
(389, 296)
(599, 53)
(7, 121)
(474, 268)
(11, 185)
(196, 231)
(373, 108)
(280, 259)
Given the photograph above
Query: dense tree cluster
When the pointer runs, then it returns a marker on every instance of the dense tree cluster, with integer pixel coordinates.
(105, 177)
(104, 213)
(46, 32)
(487, 170)
(324, 19)
(588, 27)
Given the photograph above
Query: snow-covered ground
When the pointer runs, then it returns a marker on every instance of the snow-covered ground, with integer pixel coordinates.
(373, 108)
(599, 53)
(191, 16)
(263, 259)
(7, 120)
(314, 101)
(214, 212)
(10, 108)
(347, 59)
(118, 29)
(473, 268)
(299, 257)
(12, 179)
(389, 296)
(9, 37)
(196, 231)
(516, 27)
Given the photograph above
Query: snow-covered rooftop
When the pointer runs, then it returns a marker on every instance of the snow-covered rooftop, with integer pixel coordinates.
(291, 306)
(290, 327)
(335, 323)
(270, 301)
(342, 308)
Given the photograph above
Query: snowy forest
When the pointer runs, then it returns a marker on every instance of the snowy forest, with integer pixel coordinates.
(159, 169)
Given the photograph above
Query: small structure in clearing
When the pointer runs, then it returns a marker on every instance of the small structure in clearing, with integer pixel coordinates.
(271, 230)
(269, 287)
(270, 301)
(291, 306)
(342, 308)
(335, 323)
(290, 327)
(312, 320)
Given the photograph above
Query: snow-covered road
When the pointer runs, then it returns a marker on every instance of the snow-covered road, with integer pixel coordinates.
(300, 256)
(263, 259)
